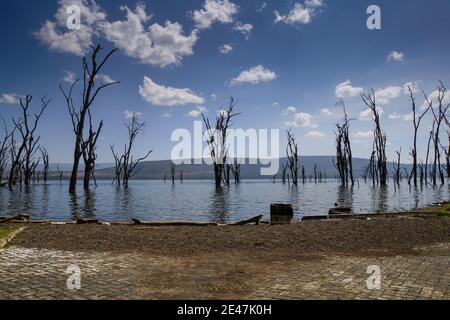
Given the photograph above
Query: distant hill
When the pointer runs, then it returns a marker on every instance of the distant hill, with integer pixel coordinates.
(155, 170)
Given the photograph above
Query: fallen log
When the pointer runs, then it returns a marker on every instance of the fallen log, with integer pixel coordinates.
(85, 221)
(18, 217)
(255, 219)
(171, 223)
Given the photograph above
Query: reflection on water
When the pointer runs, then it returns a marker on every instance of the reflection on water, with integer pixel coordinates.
(200, 201)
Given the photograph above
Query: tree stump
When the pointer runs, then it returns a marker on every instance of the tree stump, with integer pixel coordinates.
(281, 213)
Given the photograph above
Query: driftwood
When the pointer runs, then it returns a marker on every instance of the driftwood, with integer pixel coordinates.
(19, 217)
(85, 221)
(255, 219)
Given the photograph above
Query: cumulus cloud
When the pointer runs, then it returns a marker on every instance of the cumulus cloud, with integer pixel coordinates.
(56, 35)
(222, 11)
(10, 98)
(197, 112)
(434, 98)
(226, 48)
(300, 13)
(396, 56)
(398, 116)
(367, 114)
(345, 90)
(262, 7)
(167, 96)
(159, 45)
(315, 134)
(326, 112)
(363, 134)
(129, 114)
(254, 75)
(289, 110)
(301, 120)
(245, 28)
(104, 78)
(69, 77)
(385, 95)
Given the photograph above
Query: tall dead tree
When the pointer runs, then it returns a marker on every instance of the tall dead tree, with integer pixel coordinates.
(416, 123)
(89, 151)
(216, 138)
(439, 115)
(236, 170)
(60, 173)
(292, 156)
(172, 172)
(23, 159)
(125, 163)
(91, 70)
(379, 138)
(45, 160)
(344, 158)
(5, 145)
(397, 167)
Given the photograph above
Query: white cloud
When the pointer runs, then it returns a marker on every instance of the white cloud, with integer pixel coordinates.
(315, 134)
(254, 75)
(226, 48)
(262, 7)
(363, 134)
(159, 45)
(367, 114)
(104, 78)
(129, 114)
(245, 29)
(398, 116)
(167, 96)
(301, 120)
(214, 11)
(345, 90)
(433, 97)
(69, 77)
(396, 56)
(56, 35)
(10, 98)
(384, 96)
(166, 115)
(413, 85)
(326, 112)
(214, 97)
(275, 104)
(301, 13)
(197, 112)
(289, 110)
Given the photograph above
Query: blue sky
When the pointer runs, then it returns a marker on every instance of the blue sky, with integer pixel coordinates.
(290, 61)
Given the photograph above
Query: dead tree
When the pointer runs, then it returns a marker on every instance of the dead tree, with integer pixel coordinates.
(216, 138)
(23, 158)
(181, 174)
(397, 167)
(125, 164)
(91, 70)
(379, 138)
(439, 116)
(89, 151)
(45, 160)
(236, 170)
(292, 156)
(284, 168)
(344, 157)
(5, 145)
(172, 172)
(416, 123)
(118, 161)
(60, 173)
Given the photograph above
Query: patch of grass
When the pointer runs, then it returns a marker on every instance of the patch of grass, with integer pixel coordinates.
(5, 232)
(442, 209)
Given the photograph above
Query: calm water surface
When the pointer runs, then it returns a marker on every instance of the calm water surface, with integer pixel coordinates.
(198, 200)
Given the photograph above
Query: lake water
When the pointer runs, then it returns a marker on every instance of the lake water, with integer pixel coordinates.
(199, 201)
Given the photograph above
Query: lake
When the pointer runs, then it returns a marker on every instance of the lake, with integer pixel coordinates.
(196, 200)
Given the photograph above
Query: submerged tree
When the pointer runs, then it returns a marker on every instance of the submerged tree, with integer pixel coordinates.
(379, 136)
(344, 158)
(23, 162)
(416, 123)
(89, 151)
(216, 138)
(45, 160)
(125, 164)
(5, 145)
(236, 170)
(292, 156)
(91, 71)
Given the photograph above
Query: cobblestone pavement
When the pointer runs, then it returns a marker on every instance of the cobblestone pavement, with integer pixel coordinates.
(42, 274)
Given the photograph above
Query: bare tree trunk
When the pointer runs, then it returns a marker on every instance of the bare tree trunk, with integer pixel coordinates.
(292, 156)
(45, 160)
(90, 91)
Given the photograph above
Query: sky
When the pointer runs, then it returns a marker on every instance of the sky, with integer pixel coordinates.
(287, 63)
